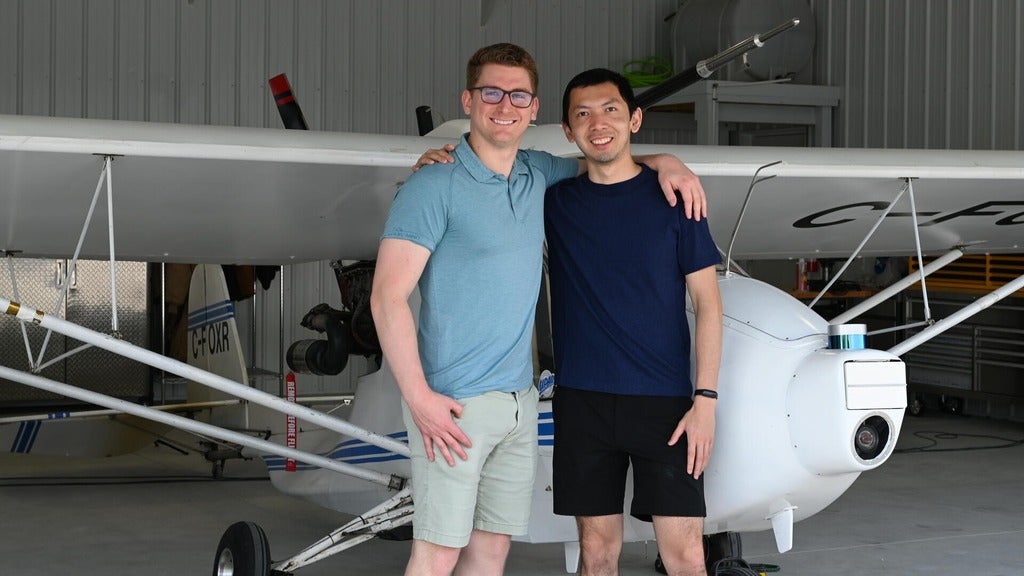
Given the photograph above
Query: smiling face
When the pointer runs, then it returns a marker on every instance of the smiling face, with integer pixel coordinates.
(501, 125)
(599, 123)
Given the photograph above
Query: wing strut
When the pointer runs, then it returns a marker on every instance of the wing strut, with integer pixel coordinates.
(108, 168)
(897, 287)
(14, 286)
(161, 362)
(201, 428)
(65, 276)
(867, 237)
(739, 219)
(957, 317)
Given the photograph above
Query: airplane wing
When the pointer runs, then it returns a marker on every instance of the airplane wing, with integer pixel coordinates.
(198, 193)
(262, 196)
(821, 202)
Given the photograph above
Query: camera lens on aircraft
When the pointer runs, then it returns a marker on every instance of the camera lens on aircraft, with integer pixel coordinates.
(871, 438)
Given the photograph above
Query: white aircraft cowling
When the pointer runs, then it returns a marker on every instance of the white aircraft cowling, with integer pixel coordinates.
(786, 407)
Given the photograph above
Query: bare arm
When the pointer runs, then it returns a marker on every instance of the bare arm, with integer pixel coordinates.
(673, 176)
(699, 421)
(400, 264)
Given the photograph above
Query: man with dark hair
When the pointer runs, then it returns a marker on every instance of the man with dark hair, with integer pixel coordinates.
(620, 264)
(470, 235)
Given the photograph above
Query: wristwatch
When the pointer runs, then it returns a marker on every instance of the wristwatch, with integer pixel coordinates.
(706, 393)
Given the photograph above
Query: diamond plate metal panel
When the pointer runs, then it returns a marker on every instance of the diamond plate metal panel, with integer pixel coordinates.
(88, 303)
(36, 287)
(89, 306)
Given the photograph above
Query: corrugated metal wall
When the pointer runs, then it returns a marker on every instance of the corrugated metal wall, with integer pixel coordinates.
(914, 73)
(924, 73)
(355, 65)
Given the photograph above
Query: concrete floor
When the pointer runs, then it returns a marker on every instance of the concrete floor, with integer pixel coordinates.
(156, 512)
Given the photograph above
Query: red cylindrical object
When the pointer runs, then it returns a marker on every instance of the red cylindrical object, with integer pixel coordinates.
(287, 106)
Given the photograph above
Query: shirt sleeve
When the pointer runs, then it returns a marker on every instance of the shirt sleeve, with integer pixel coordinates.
(419, 212)
(697, 249)
(554, 168)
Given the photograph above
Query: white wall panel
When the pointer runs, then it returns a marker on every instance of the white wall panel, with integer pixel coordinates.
(36, 50)
(100, 54)
(337, 83)
(193, 66)
(1006, 49)
(877, 73)
(132, 65)
(1017, 76)
(278, 55)
(959, 46)
(223, 68)
(10, 55)
(361, 66)
(254, 101)
(162, 45)
(421, 89)
(923, 73)
(914, 108)
(308, 65)
(394, 95)
(68, 53)
(367, 35)
(937, 57)
(914, 73)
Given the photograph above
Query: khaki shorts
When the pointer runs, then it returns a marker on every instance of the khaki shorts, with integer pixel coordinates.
(492, 490)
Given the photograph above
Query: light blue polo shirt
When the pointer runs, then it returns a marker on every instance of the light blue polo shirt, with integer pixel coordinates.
(479, 289)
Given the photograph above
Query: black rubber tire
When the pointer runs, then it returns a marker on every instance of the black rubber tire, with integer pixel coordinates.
(243, 551)
(915, 407)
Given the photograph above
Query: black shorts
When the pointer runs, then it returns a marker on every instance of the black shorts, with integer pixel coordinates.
(598, 435)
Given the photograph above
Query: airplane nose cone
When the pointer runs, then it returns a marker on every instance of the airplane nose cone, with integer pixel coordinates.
(845, 408)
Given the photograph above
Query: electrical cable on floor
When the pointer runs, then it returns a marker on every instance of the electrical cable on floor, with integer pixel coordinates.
(933, 437)
(727, 567)
(732, 567)
(765, 568)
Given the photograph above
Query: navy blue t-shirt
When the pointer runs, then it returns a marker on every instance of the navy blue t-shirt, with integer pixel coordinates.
(617, 257)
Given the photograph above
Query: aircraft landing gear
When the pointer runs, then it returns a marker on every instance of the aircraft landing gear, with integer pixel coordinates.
(243, 551)
(951, 404)
(718, 548)
(915, 405)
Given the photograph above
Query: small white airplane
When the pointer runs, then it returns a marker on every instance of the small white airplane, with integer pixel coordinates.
(806, 407)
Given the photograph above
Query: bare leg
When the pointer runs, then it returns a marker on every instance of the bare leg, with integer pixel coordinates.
(681, 545)
(429, 559)
(485, 555)
(600, 544)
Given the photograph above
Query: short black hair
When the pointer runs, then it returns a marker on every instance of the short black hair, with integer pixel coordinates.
(596, 76)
